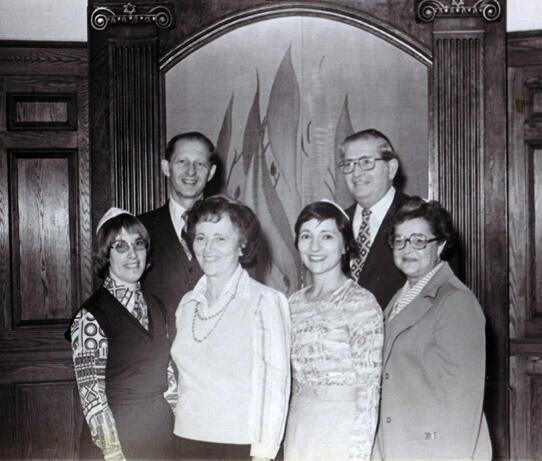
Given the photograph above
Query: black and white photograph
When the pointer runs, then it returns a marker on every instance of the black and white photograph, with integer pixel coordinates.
(294, 230)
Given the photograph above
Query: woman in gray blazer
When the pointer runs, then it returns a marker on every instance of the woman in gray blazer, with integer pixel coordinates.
(434, 348)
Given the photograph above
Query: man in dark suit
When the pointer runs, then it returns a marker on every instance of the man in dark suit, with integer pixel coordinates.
(370, 165)
(189, 165)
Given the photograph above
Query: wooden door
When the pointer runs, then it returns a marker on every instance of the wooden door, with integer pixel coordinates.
(525, 243)
(45, 241)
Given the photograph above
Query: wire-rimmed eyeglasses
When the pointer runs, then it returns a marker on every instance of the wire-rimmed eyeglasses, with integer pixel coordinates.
(365, 163)
(121, 246)
(417, 241)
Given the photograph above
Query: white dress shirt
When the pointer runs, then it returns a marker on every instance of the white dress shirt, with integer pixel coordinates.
(176, 212)
(378, 213)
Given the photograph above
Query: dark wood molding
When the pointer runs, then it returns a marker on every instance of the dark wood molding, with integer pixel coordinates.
(37, 60)
(134, 121)
(468, 175)
(429, 10)
(245, 16)
(523, 48)
(526, 347)
(132, 13)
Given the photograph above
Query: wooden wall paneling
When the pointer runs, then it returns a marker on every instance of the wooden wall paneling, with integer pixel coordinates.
(534, 370)
(469, 165)
(83, 210)
(68, 59)
(495, 252)
(124, 110)
(525, 193)
(5, 253)
(134, 123)
(7, 423)
(519, 409)
(47, 405)
(518, 218)
(469, 170)
(43, 237)
(45, 111)
(536, 184)
(45, 246)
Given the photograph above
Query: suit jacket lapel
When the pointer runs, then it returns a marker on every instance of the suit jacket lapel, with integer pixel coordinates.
(415, 311)
(379, 245)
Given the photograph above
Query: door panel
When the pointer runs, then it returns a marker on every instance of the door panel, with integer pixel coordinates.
(45, 246)
(525, 243)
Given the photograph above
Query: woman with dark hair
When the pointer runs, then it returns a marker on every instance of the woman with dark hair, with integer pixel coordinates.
(232, 346)
(434, 351)
(337, 337)
(121, 352)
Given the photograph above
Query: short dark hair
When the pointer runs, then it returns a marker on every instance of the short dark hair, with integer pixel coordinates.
(107, 235)
(243, 218)
(324, 210)
(386, 149)
(432, 212)
(191, 136)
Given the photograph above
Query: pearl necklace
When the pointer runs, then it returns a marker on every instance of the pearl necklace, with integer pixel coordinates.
(202, 318)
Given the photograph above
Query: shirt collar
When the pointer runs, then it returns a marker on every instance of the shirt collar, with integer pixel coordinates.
(421, 284)
(236, 287)
(122, 293)
(378, 212)
(176, 210)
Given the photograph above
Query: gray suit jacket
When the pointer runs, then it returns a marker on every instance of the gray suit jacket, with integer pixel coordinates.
(433, 376)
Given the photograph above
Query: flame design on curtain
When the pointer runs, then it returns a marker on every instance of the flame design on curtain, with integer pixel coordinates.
(344, 128)
(224, 137)
(264, 175)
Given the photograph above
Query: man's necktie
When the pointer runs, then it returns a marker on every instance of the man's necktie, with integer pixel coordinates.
(364, 242)
(184, 244)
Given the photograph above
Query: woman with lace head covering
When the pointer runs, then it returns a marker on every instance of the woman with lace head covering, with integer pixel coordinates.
(121, 352)
(337, 337)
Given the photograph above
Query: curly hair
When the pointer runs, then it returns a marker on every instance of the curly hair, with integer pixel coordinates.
(436, 216)
(243, 218)
(321, 211)
(107, 235)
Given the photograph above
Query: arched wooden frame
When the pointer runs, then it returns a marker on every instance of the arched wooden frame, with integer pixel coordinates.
(467, 121)
(358, 19)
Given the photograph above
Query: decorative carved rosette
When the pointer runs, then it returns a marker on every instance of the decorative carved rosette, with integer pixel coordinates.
(428, 10)
(128, 13)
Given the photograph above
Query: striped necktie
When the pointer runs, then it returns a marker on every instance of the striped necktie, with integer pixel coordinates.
(364, 242)
(184, 244)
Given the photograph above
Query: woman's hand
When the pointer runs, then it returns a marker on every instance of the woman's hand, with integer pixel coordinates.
(113, 454)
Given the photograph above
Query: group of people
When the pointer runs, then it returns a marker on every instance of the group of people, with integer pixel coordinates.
(381, 355)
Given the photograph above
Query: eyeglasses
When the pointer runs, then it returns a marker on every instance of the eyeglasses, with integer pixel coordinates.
(417, 241)
(365, 163)
(185, 165)
(121, 246)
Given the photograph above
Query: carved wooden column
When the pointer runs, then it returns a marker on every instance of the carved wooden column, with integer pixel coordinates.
(125, 106)
(468, 170)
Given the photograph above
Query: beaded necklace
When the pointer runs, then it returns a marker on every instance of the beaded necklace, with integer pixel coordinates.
(201, 318)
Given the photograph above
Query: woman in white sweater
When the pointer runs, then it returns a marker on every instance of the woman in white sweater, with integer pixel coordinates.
(232, 346)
